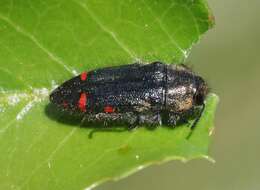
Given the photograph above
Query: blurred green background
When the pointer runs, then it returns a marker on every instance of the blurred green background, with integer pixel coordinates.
(229, 58)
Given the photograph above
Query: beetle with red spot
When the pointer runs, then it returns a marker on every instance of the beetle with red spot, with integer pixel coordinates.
(137, 93)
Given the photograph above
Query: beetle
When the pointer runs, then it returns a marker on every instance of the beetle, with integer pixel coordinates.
(150, 94)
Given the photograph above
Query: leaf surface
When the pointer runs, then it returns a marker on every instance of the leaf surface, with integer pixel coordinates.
(44, 43)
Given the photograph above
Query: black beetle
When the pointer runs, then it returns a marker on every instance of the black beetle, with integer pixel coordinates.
(137, 94)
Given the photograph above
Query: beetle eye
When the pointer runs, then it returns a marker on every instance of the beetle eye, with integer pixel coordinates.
(198, 98)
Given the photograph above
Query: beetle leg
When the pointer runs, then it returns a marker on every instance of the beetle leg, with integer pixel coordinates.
(196, 120)
(176, 119)
(173, 119)
(128, 117)
(100, 117)
(150, 119)
(133, 126)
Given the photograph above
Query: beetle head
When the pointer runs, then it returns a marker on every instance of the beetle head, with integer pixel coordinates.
(184, 89)
(201, 91)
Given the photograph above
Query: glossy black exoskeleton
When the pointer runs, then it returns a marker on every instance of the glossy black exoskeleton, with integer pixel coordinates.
(138, 93)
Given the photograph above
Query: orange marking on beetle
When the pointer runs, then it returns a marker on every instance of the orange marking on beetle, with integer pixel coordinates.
(83, 76)
(82, 102)
(109, 109)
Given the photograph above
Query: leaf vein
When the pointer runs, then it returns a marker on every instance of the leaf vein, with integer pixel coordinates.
(15, 77)
(105, 29)
(158, 20)
(58, 147)
(36, 42)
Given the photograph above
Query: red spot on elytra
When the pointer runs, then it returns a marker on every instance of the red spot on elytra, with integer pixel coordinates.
(83, 76)
(65, 104)
(109, 109)
(82, 102)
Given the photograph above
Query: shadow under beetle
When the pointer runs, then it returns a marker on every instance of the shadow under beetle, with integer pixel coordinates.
(149, 94)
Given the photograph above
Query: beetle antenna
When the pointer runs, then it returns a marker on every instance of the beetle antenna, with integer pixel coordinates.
(196, 121)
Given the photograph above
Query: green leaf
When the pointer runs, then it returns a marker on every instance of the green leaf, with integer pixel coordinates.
(44, 43)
